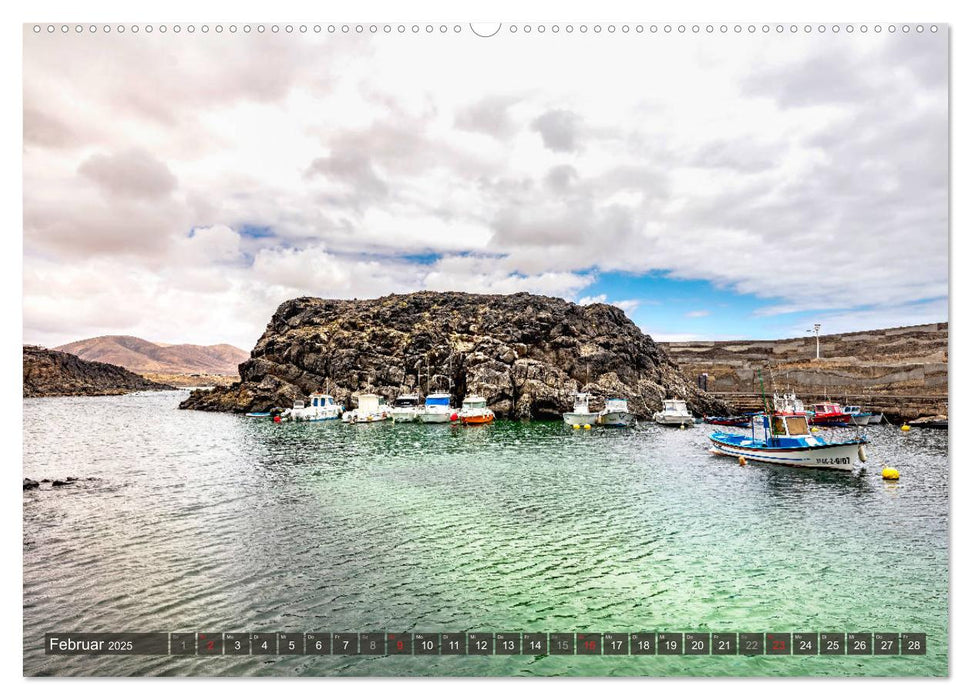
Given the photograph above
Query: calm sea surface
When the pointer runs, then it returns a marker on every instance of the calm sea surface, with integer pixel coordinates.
(200, 521)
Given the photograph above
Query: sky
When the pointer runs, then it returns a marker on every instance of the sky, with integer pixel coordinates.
(180, 187)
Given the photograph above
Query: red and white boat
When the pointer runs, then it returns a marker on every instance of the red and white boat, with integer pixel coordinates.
(831, 414)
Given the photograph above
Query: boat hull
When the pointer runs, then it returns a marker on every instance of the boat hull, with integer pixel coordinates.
(436, 417)
(830, 419)
(410, 416)
(356, 419)
(477, 419)
(860, 418)
(875, 419)
(580, 418)
(673, 421)
(737, 422)
(839, 456)
(616, 419)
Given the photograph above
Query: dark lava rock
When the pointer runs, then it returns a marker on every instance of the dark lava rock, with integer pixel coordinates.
(59, 482)
(526, 354)
(30, 484)
(55, 373)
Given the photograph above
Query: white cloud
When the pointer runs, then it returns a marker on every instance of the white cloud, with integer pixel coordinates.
(808, 169)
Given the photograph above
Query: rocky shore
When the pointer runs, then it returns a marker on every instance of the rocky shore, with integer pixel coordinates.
(55, 373)
(526, 354)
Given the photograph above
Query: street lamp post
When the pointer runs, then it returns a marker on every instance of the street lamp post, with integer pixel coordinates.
(815, 331)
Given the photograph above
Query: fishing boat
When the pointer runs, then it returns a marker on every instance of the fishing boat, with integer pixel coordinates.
(615, 414)
(321, 407)
(438, 409)
(475, 412)
(731, 421)
(581, 413)
(406, 409)
(371, 408)
(857, 415)
(831, 414)
(786, 439)
(675, 413)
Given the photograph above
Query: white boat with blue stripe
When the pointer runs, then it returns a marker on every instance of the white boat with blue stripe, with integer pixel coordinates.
(786, 439)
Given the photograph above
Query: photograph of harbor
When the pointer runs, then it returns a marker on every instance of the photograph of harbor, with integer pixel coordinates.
(483, 350)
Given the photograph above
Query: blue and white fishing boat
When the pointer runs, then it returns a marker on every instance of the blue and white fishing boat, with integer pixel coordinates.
(438, 409)
(857, 415)
(321, 407)
(785, 439)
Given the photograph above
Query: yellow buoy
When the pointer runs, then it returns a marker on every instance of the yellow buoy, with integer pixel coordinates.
(682, 426)
(815, 429)
(905, 427)
(576, 426)
(741, 462)
(890, 474)
(586, 426)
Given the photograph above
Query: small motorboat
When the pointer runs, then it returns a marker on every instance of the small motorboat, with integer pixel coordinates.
(438, 409)
(831, 414)
(258, 414)
(675, 413)
(475, 411)
(371, 408)
(581, 413)
(786, 439)
(615, 414)
(857, 415)
(875, 419)
(406, 409)
(321, 407)
(936, 422)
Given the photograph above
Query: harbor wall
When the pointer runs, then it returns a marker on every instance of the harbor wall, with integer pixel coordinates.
(899, 371)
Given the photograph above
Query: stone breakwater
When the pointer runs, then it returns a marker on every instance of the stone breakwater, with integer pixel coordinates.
(899, 371)
(526, 354)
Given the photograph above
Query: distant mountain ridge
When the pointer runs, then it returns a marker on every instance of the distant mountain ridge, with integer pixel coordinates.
(142, 356)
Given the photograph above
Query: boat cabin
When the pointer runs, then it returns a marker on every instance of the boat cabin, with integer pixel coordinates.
(789, 426)
(321, 400)
(581, 404)
(675, 406)
(406, 401)
(615, 406)
(474, 402)
(852, 409)
(369, 403)
(827, 408)
(784, 430)
(438, 400)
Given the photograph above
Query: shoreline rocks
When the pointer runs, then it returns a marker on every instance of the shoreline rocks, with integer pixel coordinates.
(526, 354)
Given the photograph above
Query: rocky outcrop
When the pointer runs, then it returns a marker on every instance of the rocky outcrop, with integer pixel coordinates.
(54, 373)
(526, 354)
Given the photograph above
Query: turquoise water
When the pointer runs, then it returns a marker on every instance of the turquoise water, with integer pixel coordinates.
(199, 521)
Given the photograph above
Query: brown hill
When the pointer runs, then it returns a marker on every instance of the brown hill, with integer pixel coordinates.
(53, 373)
(145, 357)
